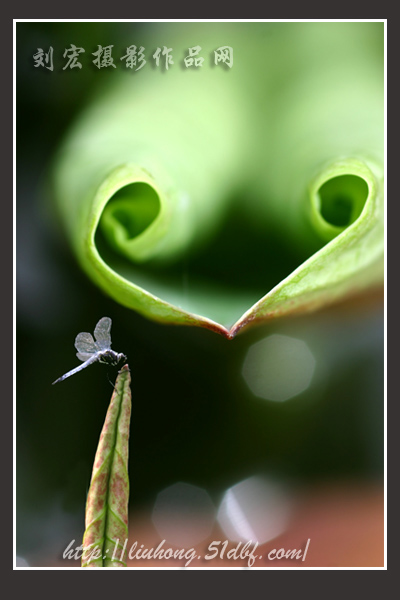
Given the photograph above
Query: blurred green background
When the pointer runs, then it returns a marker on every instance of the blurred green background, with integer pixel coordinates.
(194, 419)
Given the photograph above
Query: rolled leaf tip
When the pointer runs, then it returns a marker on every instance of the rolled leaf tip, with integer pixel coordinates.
(106, 519)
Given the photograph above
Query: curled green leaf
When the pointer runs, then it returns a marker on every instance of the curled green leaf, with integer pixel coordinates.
(292, 134)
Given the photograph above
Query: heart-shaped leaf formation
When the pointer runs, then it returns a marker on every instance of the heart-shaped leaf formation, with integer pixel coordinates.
(221, 197)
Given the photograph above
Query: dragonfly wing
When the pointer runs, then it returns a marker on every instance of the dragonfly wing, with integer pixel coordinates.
(84, 343)
(102, 334)
(84, 356)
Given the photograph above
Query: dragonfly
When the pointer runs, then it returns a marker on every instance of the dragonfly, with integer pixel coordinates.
(95, 350)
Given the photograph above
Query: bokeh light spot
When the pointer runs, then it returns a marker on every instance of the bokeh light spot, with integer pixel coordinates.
(183, 515)
(278, 367)
(255, 509)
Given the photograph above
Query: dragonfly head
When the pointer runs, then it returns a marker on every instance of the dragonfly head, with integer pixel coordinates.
(122, 357)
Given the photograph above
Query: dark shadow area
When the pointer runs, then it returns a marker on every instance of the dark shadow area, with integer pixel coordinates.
(130, 212)
(343, 199)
